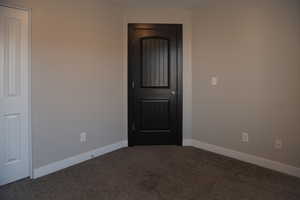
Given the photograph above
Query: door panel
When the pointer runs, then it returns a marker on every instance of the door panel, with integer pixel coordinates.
(12, 54)
(155, 115)
(154, 84)
(155, 65)
(14, 139)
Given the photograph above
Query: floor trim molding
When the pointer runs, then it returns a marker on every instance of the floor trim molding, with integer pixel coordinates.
(270, 164)
(59, 165)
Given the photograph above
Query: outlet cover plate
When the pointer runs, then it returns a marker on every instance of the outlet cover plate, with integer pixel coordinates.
(82, 137)
(245, 137)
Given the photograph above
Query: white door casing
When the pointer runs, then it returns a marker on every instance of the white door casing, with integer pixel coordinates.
(14, 90)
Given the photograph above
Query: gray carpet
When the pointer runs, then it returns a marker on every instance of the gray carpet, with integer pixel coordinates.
(158, 173)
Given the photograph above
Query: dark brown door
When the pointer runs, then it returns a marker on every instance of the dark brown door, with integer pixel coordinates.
(155, 84)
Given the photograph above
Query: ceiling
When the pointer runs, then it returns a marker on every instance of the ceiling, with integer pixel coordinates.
(161, 3)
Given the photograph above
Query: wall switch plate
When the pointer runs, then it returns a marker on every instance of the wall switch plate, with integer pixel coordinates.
(214, 80)
(245, 137)
(82, 137)
(278, 144)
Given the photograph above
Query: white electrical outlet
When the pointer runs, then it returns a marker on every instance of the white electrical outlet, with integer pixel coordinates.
(83, 137)
(245, 137)
(214, 80)
(278, 144)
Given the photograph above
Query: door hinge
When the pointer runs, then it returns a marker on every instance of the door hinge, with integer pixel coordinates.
(133, 126)
(132, 84)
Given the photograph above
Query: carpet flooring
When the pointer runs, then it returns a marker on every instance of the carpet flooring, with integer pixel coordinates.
(158, 173)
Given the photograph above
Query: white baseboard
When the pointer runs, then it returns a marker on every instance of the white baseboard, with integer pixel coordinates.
(270, 164)
(59, 165)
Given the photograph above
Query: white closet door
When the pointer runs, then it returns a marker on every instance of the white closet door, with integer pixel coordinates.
(14, 134)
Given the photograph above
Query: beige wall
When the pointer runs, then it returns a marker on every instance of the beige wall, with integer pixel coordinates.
(76, 76)
(254, 49)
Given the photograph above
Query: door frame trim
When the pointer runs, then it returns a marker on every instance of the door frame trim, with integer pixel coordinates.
(30, 142)
(186, 69)
(179, 91)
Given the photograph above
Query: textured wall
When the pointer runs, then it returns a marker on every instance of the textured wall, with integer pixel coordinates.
(254, 49)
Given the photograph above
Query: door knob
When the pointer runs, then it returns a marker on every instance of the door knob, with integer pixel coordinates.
(173, 92)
